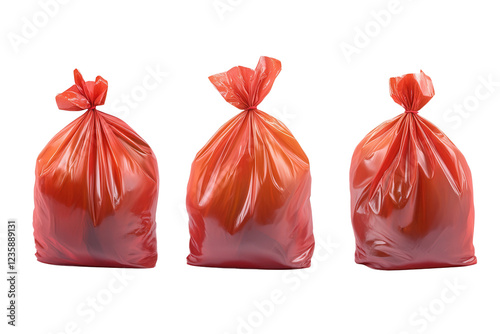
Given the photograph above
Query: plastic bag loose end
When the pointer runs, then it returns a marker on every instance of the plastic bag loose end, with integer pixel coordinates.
(96, 188)
(411, 190)
(249, 188)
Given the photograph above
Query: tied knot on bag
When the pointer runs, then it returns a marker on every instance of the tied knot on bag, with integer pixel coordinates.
(83, 95)
(245, 88)
(411, 91)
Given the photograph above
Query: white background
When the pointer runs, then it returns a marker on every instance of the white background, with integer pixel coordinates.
(328, 100)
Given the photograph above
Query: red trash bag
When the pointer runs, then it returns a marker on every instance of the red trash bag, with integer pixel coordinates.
(96, 188)
(411, 190)
(248, 193)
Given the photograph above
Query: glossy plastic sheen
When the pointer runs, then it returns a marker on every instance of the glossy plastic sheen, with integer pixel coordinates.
(411, 190)
(248, 193)
(96, 188)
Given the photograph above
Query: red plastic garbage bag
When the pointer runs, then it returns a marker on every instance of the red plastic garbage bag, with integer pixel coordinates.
(411, 190)
(248, 193)
(96, 188)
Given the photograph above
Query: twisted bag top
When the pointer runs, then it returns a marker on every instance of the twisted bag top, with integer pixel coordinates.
(96, 188)
(411, 190)
(248, 193)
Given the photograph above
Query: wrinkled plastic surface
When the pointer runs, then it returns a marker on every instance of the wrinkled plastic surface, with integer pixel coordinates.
(96, 188)
(411, 190)
(248, 193)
